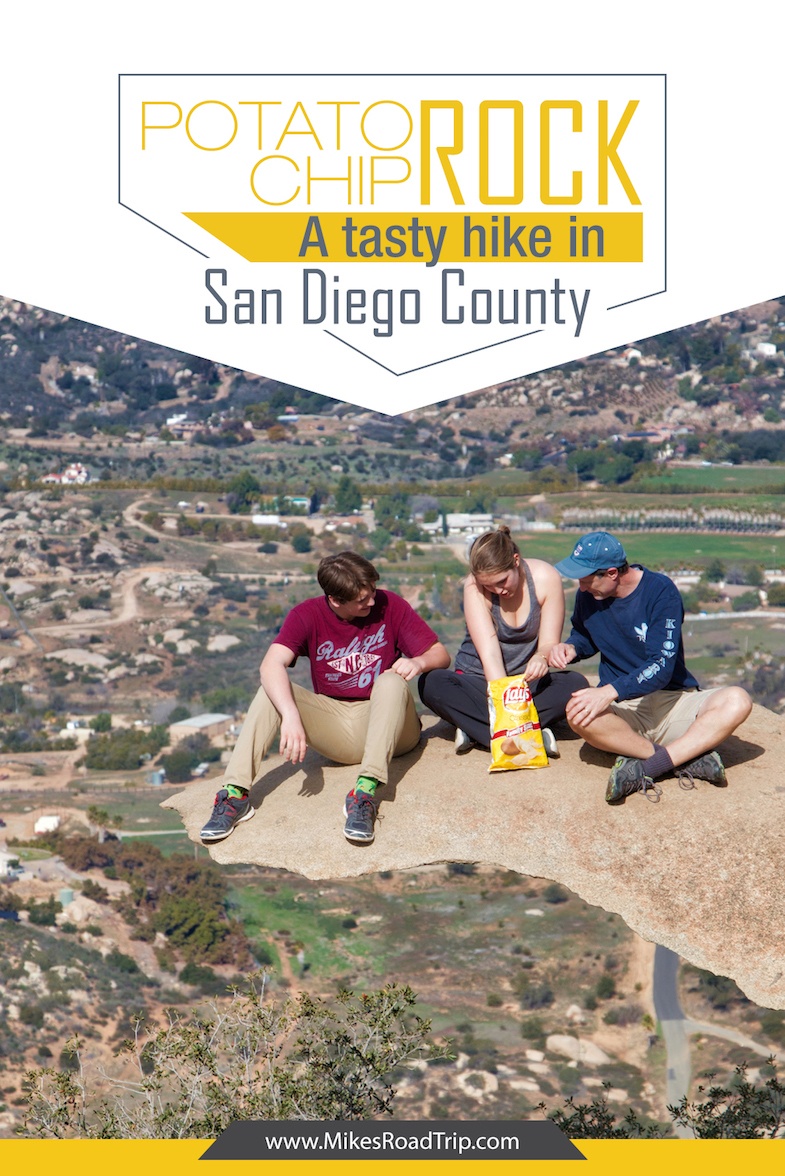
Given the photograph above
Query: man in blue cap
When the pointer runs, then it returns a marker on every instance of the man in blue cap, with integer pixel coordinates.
(648, 708)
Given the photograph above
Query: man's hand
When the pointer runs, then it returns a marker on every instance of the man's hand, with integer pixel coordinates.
(561, 655)
(587, 705)
(293, 742)
(407, 668)
(537, 667)
(276, 684)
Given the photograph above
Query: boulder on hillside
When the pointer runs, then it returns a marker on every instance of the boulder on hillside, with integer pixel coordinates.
(699, 872)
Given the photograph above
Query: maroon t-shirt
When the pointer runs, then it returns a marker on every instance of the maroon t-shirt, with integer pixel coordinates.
(348, 656)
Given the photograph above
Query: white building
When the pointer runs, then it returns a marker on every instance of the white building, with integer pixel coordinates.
(74, 474)
(9, 863)
(468, 524)
(211, 725)
(46, 825)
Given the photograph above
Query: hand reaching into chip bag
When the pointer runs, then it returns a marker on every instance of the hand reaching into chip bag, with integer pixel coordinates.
(516, 739)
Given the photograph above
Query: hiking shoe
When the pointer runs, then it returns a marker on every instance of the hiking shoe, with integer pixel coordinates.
(228, 811)
(360, 812)
(627, 776)
(463, 742)
(707, 767)
(549, 743)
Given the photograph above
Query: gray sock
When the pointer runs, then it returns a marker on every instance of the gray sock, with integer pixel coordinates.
(658, 763)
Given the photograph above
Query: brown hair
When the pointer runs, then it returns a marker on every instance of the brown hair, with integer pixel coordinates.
(493, 552)
(346, 575)
(621, 568)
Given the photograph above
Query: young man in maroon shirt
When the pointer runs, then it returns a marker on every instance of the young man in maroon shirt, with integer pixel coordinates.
(364, 645)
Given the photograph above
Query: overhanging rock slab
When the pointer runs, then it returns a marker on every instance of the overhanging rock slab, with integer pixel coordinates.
(702, 872)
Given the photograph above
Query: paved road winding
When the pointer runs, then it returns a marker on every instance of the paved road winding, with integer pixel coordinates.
(673, 1025)
(677, 1030)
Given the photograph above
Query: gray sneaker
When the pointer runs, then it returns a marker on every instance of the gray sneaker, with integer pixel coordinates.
(360, 812)
(627, 776)
(228, 811)
(706, 767)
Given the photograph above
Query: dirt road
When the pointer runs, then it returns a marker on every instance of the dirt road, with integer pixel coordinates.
(129, 605)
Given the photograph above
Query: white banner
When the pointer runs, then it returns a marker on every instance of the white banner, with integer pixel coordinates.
(386, 233)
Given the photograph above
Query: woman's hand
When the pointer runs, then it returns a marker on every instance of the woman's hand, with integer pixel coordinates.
(537, 667)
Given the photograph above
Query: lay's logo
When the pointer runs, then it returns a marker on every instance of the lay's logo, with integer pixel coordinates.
(515, 696)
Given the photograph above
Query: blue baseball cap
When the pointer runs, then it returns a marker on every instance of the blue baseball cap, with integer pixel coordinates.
(593, 553)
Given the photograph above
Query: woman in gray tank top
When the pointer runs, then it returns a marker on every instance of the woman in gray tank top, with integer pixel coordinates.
(514, 613)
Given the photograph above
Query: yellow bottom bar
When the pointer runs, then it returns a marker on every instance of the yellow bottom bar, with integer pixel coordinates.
(181, 1158)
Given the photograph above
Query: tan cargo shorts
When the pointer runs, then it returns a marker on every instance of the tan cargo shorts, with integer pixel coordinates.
(663, 716)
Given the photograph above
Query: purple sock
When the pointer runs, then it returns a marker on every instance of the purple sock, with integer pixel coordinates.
(658, 763)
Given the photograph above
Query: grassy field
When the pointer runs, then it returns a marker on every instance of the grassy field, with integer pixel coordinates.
(496, 960)
(139, 806)
(711, 479)
(169, 843)
(32, 855)
(623, 498)
(668, 551)
(461, 936)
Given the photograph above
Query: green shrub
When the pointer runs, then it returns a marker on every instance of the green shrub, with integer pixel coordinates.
(123, 963)
(43, 914)
(533, 994)
(94, 891)
(122, 750)
(303, 1058)
(773, 1025)
(202, 977)
(165, 959)
(720, 991)
(68, 1060)
(179, 766)
(533, 1030)
(745, 602)
(31, 1015)
(263, 955)
(605, 987)
(630, 1014)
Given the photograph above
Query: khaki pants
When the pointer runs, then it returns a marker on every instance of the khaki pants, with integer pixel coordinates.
(665, 715)
(365, 733)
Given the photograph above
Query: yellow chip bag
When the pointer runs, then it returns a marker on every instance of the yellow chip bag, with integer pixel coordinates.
(516, 740)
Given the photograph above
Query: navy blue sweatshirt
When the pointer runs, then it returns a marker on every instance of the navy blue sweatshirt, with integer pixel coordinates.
(638, 637)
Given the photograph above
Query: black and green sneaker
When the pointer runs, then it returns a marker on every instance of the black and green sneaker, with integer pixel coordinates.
(360, 812)
(228, 811)
(706, 767)
(627, 776)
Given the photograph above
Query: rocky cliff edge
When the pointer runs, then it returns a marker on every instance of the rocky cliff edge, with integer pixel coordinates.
(700, 872)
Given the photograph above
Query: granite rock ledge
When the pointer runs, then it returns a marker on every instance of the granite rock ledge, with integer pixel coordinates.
(701, 872)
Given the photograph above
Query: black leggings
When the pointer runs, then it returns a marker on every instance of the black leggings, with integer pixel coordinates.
(461, 698)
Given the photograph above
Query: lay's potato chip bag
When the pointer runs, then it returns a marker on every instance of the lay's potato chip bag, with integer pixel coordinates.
(516, 741)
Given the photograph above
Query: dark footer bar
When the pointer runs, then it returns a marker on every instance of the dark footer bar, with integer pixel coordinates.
(400, 1140)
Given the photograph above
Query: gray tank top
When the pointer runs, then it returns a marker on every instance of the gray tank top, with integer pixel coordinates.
(517, 645)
